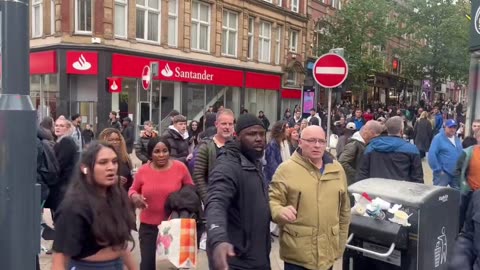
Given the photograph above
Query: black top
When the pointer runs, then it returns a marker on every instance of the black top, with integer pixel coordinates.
(73, 231)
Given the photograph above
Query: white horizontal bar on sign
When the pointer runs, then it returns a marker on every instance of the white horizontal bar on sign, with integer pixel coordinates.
(330, 70)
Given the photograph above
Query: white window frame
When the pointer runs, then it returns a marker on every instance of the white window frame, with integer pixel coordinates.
(264, 39)
(146, 8)
(337, 4)
(173, 16)
(295, 5)
(124, 4)
(39, 27)
(251, 39)
(294, 80)
(269, 1)
(198, 23)
(226, 30)
(77, 30)
(278, 45)
(293, 37)
(279, 3)
(52, 17)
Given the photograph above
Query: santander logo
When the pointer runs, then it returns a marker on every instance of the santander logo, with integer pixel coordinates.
(166, 71)
(179, 73)
(114, 86)
(81, 64)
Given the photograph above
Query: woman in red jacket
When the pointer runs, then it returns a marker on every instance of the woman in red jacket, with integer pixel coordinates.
(153, 183)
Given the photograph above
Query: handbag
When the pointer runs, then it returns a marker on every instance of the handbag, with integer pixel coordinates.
(177, 242)
(333, 141)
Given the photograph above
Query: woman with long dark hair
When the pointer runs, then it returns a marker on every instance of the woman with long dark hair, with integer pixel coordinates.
(92, 226)
(114, 137)
(277, 150)
(193, 130)
(154, 182)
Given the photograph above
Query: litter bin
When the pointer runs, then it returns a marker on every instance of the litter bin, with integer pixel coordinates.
(426, 244)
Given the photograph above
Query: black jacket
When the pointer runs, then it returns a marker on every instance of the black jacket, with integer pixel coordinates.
(467, 247)
(391, 157)
(351, 158)
(237, 209)
(179, 145)
(423, 134)
(128, 134)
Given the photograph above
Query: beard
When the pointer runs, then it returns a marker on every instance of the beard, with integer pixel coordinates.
(250, 153)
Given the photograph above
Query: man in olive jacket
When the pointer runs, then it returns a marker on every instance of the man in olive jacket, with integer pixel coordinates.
(311, 237)
(353, 152)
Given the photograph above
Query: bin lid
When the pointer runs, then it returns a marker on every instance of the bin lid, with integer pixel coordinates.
(399, 192)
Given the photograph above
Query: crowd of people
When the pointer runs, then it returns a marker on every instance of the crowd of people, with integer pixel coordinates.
(243, 188)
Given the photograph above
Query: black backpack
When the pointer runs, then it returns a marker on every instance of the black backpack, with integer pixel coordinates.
(50, 168)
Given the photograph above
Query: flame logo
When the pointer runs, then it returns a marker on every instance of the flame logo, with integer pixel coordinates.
(166, 71)
(82, 63)
(114, 86)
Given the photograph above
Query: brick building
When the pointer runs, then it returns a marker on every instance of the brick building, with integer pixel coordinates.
(240, 54)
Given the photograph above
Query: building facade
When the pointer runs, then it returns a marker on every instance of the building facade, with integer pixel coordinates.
(89, 57)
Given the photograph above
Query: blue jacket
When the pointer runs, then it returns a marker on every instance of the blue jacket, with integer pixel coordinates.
(443, 155)
(438, 122)
(391, 157)
(273, 159)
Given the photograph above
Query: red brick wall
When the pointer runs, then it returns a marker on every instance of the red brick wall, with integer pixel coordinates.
(66, 16)
(98, 17)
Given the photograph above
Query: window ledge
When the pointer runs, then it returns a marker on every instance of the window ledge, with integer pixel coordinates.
(150, 42)
(83, 33)
(200, 51)
(229, 56)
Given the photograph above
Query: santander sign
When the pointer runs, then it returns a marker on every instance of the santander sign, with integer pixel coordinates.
(186, 74)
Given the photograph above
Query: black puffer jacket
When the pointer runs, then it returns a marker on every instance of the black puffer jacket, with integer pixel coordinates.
(467, 247)
(141, 145)
(237, 209)
(178, 144)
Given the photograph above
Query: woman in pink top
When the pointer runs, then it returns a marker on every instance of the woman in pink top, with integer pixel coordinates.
(153, 183)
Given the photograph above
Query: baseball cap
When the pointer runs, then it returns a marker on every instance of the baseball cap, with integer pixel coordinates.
(351, 126)
(451, 123)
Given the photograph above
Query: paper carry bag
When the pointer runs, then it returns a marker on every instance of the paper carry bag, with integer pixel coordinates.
(177, 242)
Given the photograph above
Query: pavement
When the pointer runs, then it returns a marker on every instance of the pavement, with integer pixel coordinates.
(276, 262)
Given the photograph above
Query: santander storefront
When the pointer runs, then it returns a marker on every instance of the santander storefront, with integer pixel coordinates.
(190, 88)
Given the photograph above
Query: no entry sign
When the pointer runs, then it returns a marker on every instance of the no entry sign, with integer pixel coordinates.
(330, 70)
(146, 77)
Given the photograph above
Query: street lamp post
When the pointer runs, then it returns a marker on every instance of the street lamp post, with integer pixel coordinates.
(19, 195)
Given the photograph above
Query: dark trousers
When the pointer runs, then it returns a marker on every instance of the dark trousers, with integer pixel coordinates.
(147, 235)
(289, 266)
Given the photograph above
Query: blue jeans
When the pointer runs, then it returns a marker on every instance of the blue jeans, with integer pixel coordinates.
(289, 266)
(444, 179)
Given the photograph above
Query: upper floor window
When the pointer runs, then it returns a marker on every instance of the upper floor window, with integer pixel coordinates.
(172, 23)
(280, 3)
(148, 20)
(200, 26)
(264, 40)
(294, 41)
(291, 78)
(319, 30)
(269, 1)
(251, 24)
(121, 18)
(278, 45)
(52, 17)
(295, 5)
(83, 16)
(337, 4)
(229, 33)
(37, 18)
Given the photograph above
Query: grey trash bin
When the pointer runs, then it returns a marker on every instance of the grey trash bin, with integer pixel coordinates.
(425, 245)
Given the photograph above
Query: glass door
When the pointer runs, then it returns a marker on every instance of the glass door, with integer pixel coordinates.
(88, 112)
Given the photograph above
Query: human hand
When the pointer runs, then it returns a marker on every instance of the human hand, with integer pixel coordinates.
(220, 255)
(189, 157)
(123, 180)
(288, 213)
(139, 201)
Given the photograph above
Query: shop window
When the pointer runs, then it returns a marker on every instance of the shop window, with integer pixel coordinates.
(52, 17)
(278, 45)
(172, 23)
(294, 40)
(251, 24)
(37, 18)
(44, 94)
(262, 100)
(291, 78)
(83, 16)
(148, 20)
(295, 5)
(200, 26)
(229, 33)
(121, 18)
(264, 39)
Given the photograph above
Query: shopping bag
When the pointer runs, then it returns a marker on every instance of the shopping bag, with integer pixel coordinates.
(333, 141)
(177, 242)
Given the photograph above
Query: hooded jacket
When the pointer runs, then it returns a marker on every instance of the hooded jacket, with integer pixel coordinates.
(237, 209)
(142, 143)
(178, 143)
(443, 155)
(352, 155)
(391, 157)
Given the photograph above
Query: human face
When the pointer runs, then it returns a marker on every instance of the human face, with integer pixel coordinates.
(194, 126)
(148, 127)
(87, 126)
(181, 126)
(160, 155)
(77, 122)
(312, 113)
(295, 136)
(475, 127)
(106, 168)
(358, 113)
(252, 141)
(298, 114)
(313, 143)
(61, 127)
(224, 125)
(342, 120)
(303, 125)
(450, 131)
(111, 116)
(114, 140)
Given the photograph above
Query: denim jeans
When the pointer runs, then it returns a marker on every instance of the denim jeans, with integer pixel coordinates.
(444, 179)
(289, 266)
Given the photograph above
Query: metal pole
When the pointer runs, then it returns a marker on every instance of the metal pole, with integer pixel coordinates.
(151, 95)
(329, 118)
(19, 195)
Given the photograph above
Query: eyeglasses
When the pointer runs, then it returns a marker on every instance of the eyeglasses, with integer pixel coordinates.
(314, 141)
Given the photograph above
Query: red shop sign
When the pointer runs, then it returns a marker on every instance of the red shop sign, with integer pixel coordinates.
(263, 81)
(83, 63)
(43, 62)
(132, 66)
(114, 85)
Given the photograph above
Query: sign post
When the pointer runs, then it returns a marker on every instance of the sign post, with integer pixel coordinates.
(329, 71)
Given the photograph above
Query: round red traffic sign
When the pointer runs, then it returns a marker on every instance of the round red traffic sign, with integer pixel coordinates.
(330, 70)
(146, 77)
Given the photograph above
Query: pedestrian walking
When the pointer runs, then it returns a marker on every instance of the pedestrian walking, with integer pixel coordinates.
(93, 225)
(309, 187)
(153, 184)
(277, 150)
(88, 134)
(238, 215)
(145, 135)
(177, 136)
(113, 121)
(128, 133)
(423, 134)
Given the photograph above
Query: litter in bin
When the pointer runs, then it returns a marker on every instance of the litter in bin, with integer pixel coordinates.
(400, 217)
